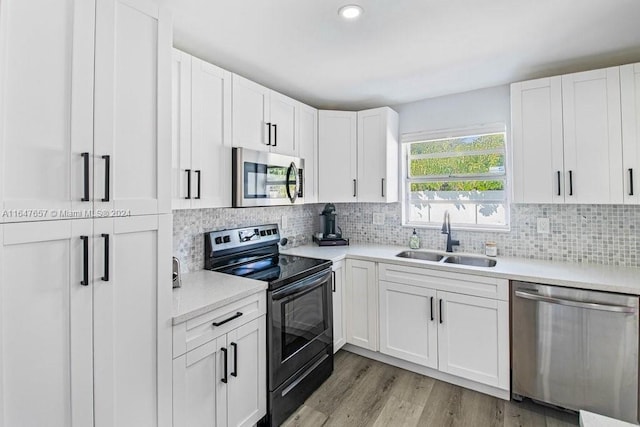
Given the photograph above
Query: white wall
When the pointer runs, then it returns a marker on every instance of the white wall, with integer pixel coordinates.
(490, 105)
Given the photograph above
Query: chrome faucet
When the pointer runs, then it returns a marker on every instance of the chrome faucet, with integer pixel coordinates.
(446, 229)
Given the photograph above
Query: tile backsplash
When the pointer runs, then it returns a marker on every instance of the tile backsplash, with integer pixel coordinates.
(601, 234)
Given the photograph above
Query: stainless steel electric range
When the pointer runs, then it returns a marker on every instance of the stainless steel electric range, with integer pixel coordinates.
(299, 311)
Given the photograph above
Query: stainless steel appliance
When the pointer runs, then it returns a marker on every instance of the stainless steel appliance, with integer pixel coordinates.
(266, 179)
(299, 311)
(331, 234)
(177, 282)
(576, 349)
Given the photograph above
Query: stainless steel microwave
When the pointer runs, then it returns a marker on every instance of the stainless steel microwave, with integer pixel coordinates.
(266, 179)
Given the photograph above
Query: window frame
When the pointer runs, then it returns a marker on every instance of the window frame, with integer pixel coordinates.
(423, 136)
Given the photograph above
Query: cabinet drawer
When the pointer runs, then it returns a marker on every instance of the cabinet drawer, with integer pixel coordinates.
(200, 330)
(469, 284)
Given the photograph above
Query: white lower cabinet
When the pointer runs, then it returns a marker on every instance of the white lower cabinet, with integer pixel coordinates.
(361, 304)
(463, 333)
(223, 381)
(339, 326)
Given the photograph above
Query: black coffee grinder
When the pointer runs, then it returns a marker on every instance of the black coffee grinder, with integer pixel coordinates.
(329, 236)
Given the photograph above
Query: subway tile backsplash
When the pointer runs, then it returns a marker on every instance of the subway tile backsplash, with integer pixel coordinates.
(601, 234)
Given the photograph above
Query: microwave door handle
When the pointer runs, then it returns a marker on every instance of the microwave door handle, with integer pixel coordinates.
(294, 169)
(303, 286)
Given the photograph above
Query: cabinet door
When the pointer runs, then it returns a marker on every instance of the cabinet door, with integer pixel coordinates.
(250, 112)
(630, 84)
(46, 113)
(592, 136)
(211, 136)
(308, 144)
(378, 155)
(536, 114)
(45, 317)
(181, 172)
(282, 116)
(339, 325)
(473, 338)
(132, 337)
(247, 387)
(132, 107)
(337, 156)
(361, 307)
(197, 385)
(408, 325)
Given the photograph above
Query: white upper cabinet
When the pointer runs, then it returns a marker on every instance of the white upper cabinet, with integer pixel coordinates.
(592, 136)
(337, 156)
(201, 140)
(263, 119)
(308, 145)
(46, 122)
(377, 155)
(630, 85)
(536, 115)
(86, 136)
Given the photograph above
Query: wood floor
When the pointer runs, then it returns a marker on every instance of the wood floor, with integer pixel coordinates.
(364, 392)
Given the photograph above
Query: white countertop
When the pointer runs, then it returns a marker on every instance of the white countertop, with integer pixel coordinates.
(587, 276)
(204, 290)
(589, 419)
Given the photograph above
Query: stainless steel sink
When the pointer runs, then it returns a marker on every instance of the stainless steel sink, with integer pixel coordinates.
(470, 260)
(421, 255)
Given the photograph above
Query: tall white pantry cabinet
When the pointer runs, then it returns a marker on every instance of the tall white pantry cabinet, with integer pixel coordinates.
(85, 227)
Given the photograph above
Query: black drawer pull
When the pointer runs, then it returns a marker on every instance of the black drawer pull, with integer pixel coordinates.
(441, 311)
(85, 159)
(333, 280)
(107, 166)
(105, 278)
(234, 373)
(85, 260)
(431, 304)
(225, 377)
(235, 316)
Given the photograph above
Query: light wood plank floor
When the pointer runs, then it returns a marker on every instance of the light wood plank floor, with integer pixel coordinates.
(364, 392)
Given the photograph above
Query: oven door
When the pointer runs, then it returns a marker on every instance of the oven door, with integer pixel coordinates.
(266, 179)
(300, 325)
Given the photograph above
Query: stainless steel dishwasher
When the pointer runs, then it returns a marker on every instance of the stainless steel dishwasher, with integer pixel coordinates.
(576, 349)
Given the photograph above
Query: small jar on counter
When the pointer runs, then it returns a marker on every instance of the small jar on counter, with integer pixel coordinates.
(491, 249)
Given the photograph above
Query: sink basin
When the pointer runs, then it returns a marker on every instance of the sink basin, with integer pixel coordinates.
(421, 255)
(470, 260)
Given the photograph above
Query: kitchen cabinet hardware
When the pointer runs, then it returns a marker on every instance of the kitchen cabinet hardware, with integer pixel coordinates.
(224, 377)
(355, 188)
(431, 304)
(235, 316)
(269, 131)
(85, 260)
(440, 310)
(558, 174)
(571, 183)
(188, 171)
(85, 157)
(631, 181)
(234, 373)
(198, 173)
(275, 135)
(382, 187)
(107, 167)
(105, 277)
(333, 281)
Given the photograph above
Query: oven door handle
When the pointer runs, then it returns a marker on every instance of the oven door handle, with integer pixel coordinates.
(302, 286)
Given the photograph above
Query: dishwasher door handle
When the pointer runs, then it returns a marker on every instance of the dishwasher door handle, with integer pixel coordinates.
(578, 304)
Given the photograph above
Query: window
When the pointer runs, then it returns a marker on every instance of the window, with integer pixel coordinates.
(465, 175)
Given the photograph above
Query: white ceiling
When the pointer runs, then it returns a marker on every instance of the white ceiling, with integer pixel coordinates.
(404, 50)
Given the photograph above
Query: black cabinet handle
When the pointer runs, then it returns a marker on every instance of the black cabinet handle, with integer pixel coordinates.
(431, 304)
(630, 182)
(107, 168)
(269, 128)
(382, 187)
(333, 281)
(188, 171)
(571, 183)
(105, 277)
(440, 310)
(198, 183)
(224, 378)
(275, 135)
(235, 316)
(558, 183)
(235, 359)
(355, 188)
(85, 157)
(85, 260)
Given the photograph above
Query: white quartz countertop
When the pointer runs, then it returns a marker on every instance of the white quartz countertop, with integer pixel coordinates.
(204, 290)
(587, 276)
(589, 419)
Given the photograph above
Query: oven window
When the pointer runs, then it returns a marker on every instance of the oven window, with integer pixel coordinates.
(264, 182)
(303, 319)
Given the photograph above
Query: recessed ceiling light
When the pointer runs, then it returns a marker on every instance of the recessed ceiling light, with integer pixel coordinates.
(350, 11)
